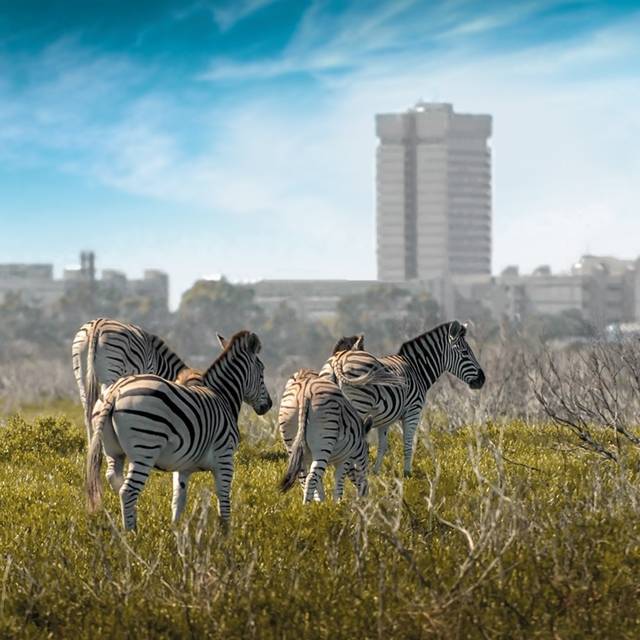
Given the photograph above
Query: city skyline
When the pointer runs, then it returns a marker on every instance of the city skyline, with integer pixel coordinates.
(173, 139)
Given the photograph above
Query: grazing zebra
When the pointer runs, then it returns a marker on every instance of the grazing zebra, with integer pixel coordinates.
(330, 431)
(106, 350)
(420, 361)
(156, 423)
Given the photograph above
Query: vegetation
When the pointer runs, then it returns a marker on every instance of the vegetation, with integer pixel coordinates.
(35, 343)
(505, 530)
(521, 519)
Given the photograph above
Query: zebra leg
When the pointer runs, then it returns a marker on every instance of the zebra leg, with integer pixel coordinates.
(115, 472)
(382, 448)
(361, 482)
(314, 480)
(409, 426)
(318, 496)
(338, 489)
(222, 476)
(133, 484)
(179, 500)
(352, 472)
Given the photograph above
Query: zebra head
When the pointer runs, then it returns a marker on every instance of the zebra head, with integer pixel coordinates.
(255, 392)
(349, 343)
(460, 359)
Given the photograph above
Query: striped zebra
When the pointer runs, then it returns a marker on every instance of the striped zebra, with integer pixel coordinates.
(290, 401)
(156, 423)
(105, 350)
(330, 431)
(303, 387)
(420, 362)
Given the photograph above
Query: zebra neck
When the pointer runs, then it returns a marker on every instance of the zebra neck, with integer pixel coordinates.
(224, 379)
(426, 355)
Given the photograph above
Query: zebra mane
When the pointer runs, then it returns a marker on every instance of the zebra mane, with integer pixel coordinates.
(405, 347)
(250, 340)
(301, 374)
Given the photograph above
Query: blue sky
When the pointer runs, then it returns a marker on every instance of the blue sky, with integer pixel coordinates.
(210, 137)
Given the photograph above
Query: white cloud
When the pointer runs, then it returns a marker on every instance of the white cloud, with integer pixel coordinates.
(228, 15)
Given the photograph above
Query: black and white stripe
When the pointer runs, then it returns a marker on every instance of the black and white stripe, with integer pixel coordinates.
(329, 431)
(420, 362)
(156, 423)
(105, 350)
(288, 413)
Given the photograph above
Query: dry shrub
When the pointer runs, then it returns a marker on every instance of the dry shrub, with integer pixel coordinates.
(24, 382)
(507, 394)
(594, 393)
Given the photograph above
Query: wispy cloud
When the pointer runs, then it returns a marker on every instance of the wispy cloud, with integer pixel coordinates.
(296, 177)
(393, 34)
(226, 14)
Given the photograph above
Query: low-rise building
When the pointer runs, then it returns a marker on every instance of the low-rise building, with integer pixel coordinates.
(318, 299)
(37, 286)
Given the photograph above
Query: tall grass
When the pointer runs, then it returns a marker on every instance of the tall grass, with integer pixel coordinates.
(504, 531)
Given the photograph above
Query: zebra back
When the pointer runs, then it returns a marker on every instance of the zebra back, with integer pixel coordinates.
(104, 350)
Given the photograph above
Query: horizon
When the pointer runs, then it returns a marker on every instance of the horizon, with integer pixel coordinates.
(220, 134)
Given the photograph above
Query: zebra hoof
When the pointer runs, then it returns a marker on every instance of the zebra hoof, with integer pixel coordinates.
(407, 474)
(225, 526)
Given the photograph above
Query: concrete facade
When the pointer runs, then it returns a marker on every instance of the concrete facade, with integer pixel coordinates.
(433, 194)
(605, 290)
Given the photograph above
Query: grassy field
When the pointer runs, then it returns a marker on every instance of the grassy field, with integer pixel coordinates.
(503, 531)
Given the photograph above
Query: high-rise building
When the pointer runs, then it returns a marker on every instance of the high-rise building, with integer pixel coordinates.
(433, 194)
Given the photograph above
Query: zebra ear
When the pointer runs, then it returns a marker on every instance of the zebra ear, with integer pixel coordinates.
(221, 341)
(358, 345)
(455, 331)
(254, 343)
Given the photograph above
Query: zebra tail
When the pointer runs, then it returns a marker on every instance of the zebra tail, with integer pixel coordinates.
(93, 484)
(91, 385)
(297, 450)
(378, 374)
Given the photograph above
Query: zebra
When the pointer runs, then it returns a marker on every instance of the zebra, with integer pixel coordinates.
(329, 431)
(105, 350)
(305, 385)
(290, 401)
(189, 377)
(420, 362)
(156, 423)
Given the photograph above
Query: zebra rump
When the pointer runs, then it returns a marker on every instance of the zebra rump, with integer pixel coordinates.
(105, 350)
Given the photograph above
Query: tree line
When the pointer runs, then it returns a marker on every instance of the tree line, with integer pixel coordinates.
(386, 314)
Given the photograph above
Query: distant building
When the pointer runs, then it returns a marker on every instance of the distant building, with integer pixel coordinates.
(433, 194)
(37, 286)
(318, 299)
(605, 290)
(34, 283)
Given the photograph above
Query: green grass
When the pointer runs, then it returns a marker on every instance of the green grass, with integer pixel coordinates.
(473, 545)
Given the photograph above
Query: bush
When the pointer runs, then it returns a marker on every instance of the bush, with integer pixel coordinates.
(500, 533)
(53, 435)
